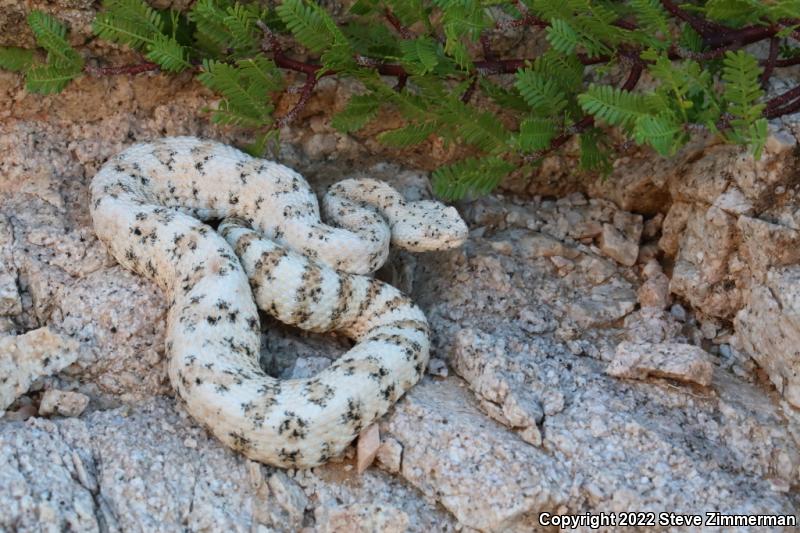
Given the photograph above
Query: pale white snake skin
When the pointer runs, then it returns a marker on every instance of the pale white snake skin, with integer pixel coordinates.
(147, 207)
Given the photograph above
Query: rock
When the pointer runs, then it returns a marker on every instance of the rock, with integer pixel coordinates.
(361, 519)
(637, 183)
(10, 303)
(320, 145)
(655, 292)
(23, 413)
(290, 496)
(765, 245)
(652, 226)
(734, 202)
(390, 455)
(368, 442)
(682, 362)
(25, 358)
(541, 245)
(603, 305)
(653, 325)
(629, 224)
(678, 311)
(701, 274)
(768, 328)
(616, 246)
(64, 403)
(119, 318)
(536, 321)
(479, 359)
(452, 452)
(673, 226)
(437, 367)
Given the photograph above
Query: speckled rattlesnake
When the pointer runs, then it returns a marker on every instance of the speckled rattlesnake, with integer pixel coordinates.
(147, 207)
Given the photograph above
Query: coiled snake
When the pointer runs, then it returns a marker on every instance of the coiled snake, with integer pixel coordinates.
(148, 204)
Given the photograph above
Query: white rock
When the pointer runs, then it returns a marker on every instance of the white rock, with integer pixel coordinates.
(361, 519)
(768, 328)
(10, 303)
(390, 455)
(64, 403)
(437, 367)
(655, 292)
(369, 440)
(24, 358)
(289, 494)
(616, 246)
(451, 452)
(319, 145)
(682, 362)
(734, 202)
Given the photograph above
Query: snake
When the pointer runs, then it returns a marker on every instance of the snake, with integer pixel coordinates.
(154, 206)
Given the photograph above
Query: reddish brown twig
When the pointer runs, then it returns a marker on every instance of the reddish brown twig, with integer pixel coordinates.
(305, 96)
(404, 32)
(705, 28)
(123, 69)
(769, 64)
(467, 96)
(781, 101)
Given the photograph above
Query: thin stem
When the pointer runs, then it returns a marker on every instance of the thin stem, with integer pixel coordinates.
(769, 65)
(470, 90)
(305, 96)
(788, 109)
(123, 69)
(404, 32)
(780, 101)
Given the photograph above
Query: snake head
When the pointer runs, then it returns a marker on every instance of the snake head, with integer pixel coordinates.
(427, 225)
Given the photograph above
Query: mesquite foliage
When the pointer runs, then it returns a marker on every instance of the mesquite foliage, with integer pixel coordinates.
(432, 61)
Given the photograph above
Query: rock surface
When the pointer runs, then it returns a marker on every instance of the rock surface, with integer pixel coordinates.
(64, 403)
(518, 415)
(28, 357)
(681, 362)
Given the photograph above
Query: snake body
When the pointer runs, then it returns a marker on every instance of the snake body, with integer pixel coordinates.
(148, 206)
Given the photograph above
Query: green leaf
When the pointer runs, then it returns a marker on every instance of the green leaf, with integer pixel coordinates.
(690, 39)
(48, 79)
(167, 53)
(535, 134)
(504, 97)
(480, 129)
(736, 12)
(131, 22)
(615, 106)
(15, 59)
(456, 49)
(562, 37)
(420, 55)
(595, 155)
(741, 74)
(541, 93)
(651, 16)
(240, 22)
(407, 135)
(262, 143)
(309, 24)
(470, 177)
(210, 30)
(50, 34)
(358, 112)
(661, 132)
(245, 89)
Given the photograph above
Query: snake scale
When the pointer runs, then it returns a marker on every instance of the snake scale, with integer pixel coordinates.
(148, 206)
